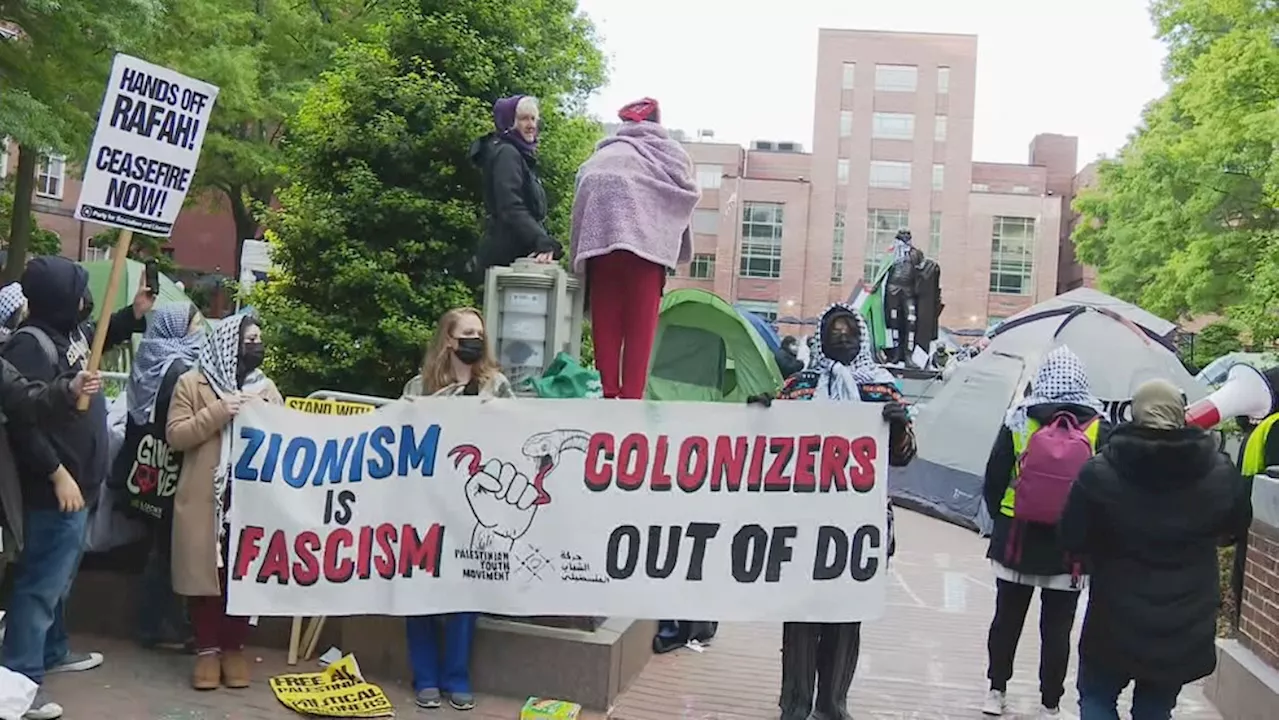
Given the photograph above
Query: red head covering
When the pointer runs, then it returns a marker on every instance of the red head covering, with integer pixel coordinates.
(640, 111)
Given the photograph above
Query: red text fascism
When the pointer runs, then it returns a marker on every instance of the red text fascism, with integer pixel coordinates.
(340, 555)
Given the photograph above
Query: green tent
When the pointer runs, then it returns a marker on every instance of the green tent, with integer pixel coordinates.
(705, 350)
(100, 270)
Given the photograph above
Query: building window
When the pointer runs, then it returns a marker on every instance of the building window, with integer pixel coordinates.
(671, 272)
(50, 174)
(705, 222)
(761, 240)
(703, 266)
(846, 76)
(939, 171)
(4, 157)
(709, 176)
(896, 78)
(837, 250)
(768, 311)
(939, 128)
(92, 253)
(944, 80)
(846, 123)
(1021, 190)
(890, 174)
(893, 126)
(1012, 249)
(935, 234)
(882, 225)
(980, 187)
(842, 171)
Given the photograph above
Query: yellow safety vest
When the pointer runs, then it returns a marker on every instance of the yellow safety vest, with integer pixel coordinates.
(1020, 441)
(1254, 460)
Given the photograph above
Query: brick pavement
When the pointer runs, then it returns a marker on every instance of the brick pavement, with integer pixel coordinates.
(924, 660)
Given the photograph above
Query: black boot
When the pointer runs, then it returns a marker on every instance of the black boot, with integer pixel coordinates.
(837, 662)
(799, 666)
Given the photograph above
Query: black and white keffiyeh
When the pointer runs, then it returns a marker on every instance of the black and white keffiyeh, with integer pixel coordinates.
(165, 341)
(1061, 378)
(901, 249)
(837, 381)
(11, 301)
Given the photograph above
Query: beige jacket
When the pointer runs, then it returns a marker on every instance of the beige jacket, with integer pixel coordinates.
(196, 420)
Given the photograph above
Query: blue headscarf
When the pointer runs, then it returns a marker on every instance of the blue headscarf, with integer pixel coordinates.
(165, 341)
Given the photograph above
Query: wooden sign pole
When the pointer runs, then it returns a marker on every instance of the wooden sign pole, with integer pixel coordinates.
(118, 257)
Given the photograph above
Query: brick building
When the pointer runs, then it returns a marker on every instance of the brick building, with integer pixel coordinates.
(783, 232)
(203, 238)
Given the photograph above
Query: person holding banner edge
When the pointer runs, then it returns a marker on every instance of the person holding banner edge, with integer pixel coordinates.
(841, 369)
(205, 402)
(457, 363)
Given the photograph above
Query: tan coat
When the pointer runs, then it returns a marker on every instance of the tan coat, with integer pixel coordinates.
(196, 418)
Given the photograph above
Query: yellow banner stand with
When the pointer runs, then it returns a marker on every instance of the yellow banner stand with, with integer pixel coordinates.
(337, 691)
(317, 406)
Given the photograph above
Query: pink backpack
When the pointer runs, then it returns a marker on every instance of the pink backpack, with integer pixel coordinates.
(1047, 468)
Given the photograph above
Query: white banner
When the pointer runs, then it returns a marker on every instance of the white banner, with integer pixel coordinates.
(144, 154)
(562, 507)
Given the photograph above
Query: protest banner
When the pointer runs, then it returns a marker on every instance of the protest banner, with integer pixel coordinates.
(144, 153)
(561, 507)
(337, 691)
(317, 406)
(146, 147)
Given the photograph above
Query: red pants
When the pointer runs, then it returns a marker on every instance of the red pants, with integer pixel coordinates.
(212, 627)
(625, 293)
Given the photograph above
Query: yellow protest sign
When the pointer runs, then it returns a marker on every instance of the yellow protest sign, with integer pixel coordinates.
(337, 691)
(326, 407)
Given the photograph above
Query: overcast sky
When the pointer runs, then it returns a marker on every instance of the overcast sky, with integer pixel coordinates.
(1084, 68)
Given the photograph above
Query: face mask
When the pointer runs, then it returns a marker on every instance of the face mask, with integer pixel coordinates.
(842, 351)
(469, 350)
(251, 357)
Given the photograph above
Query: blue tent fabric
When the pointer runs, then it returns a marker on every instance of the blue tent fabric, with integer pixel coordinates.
(766, 331)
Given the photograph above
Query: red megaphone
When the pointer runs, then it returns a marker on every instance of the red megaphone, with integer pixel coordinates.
(1246, 392)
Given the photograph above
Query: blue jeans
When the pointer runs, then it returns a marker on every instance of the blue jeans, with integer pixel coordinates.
(444, 666)
(1100, 690)
(35, 637)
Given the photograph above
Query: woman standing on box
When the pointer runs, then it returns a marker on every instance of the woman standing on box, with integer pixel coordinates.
(458, 362)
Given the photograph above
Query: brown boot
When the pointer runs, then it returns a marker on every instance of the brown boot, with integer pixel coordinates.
(235, 669)
(205, 675)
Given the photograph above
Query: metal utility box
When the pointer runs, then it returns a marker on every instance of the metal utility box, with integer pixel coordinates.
(532, 311)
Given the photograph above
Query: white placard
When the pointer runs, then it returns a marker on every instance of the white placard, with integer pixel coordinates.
(562, 507)
(144, 154)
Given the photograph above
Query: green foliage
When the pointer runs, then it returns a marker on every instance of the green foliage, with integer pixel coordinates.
(1184, 220)
(381, 211)
(1214, 341)
(141, 248)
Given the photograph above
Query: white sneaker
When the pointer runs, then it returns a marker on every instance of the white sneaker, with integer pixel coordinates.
(993, 706)
(1049, 713)
(42, 708)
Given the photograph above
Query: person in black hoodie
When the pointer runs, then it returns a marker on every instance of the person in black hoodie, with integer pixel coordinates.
(515, 204)
(1151, 511)
(59, 464)
(788, 358)
(1025, 555)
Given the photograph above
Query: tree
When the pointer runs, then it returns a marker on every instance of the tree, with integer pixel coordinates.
(263, 56)
(141, 248)
(53, 72)
(1214, 341)
(381, 215)
(1184, 220)
(41, 242)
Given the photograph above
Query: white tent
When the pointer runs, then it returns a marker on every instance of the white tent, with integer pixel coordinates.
(1089, 297)
(956, 429)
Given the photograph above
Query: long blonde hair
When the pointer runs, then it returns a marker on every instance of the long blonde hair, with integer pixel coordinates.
(437, 366)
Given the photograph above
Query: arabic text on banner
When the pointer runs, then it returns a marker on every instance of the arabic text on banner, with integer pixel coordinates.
(561, 507)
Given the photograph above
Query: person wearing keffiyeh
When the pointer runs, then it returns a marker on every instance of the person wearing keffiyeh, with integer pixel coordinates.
(1025, 556)
(901, 294)
(204, 405)
(13, 308)
(841, 369)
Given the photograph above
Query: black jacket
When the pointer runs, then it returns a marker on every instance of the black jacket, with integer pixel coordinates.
(788, 363)
(515, 205)
(1151, 511)
(1041, 553)
(147, 502)
(54, 287)
(24, 402)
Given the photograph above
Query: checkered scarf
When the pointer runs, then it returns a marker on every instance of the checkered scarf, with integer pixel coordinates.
(165, 341)
(11, 301)
(837, 381)
(1061, 378)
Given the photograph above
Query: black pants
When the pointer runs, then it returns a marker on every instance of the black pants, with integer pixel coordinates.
(821, 654)
(900, 306)
(1057, 615)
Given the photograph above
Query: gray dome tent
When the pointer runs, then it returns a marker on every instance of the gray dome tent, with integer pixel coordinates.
(956, 429)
